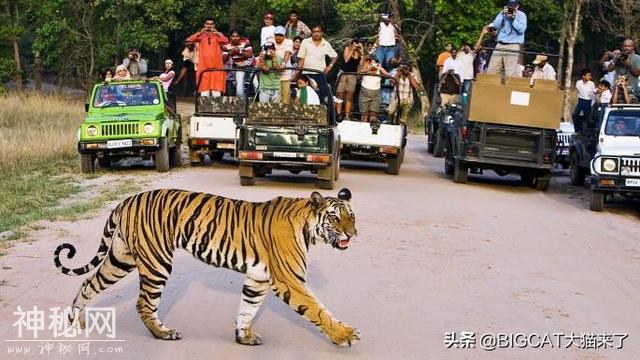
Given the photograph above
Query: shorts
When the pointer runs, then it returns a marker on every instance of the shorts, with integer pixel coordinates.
(369, 100)
(347, 83)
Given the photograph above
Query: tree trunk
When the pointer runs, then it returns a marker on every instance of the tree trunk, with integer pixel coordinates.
(37, 71)
(573, 29)
(16, 45)
(563, 40)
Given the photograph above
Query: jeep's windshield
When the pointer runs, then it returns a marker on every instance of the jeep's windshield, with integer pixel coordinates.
(126, 95)
(623, 123)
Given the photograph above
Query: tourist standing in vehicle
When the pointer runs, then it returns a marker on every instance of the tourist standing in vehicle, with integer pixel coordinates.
(453, 63)
(107, 75)
(511, 24)
(450, 84)
(443, 56)
(627, 63)
(270, 64)
(209, 42)
(294, 27)
(135, 64)
(122, 73)
(239, 50)
(586, 95)
(353, 54)
(267, 33)
(466, 57)
(543, 70)
(387, 35)
(405, 82)
(484, 56)
(603, 96)
(167, 75)
(622, 92)
(306, 94)
(369, 101)
(284, 49)
(294, 59)
(313, 54)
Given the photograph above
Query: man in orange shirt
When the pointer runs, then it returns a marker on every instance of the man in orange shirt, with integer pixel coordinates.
(210, 43)
(443, 56)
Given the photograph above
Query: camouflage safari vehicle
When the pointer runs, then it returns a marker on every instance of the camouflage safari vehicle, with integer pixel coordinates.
(212, 128)
(294, 137)
(129, 119)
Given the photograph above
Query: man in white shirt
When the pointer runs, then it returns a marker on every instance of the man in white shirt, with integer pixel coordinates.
(267, 32)
(313, 55)
(603, 96)
(387, 34)
(586, 94)
(453, 63)
(466, 57)
(543, 70)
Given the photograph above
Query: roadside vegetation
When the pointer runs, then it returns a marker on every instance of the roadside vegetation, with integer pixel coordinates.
(39, 168)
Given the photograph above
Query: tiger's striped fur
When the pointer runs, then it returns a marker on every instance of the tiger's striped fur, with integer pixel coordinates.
(267, 241)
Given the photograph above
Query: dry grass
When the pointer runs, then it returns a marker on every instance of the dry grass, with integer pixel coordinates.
(36, 129)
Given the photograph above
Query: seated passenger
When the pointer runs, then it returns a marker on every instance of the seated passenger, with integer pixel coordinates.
(620, 128)
(107, 95)
(306, 94)
(122, 73)
(369, 101)
(150, 96)
(107, 75)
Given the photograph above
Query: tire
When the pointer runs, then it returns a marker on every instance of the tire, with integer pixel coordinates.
(327, 184)
(104, 163)
(175, 156)
(438, 146)
(247, 180)
(216, 155)
(336, 169)
(542, 182)
(576, 173)
(161, 156)
(87, 163)
(393, 164)
(448, 168)
(196, 163)
(460, 172)
(597, 200)
(430, 140)
(527, 179)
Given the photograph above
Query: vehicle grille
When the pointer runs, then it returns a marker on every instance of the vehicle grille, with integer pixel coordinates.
(120, 129)
(634, 164)
(564, 139)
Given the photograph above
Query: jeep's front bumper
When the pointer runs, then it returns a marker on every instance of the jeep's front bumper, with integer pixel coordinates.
(138, 147)
(617, 184)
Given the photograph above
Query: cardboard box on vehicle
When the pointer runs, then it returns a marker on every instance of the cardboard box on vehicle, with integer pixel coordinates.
(515, 102)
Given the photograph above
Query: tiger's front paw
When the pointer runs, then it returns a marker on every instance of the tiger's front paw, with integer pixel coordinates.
(343, 335)
(248, 337)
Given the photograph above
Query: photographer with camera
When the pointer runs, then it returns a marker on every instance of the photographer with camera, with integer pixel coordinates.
(481, 61)
(605, 61)
(511, 24)
(369, 102)
(627, 63)
(353, 54)
(622, 91)
(405, 82)
(450, 85)
(270, 64)
(209, 43)
(135, 64)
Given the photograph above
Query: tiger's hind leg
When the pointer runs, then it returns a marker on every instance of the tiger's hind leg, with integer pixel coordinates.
(253, 294)
(153, 278)
(118, 263)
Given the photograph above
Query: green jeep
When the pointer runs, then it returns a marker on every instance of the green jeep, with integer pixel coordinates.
(129, 119)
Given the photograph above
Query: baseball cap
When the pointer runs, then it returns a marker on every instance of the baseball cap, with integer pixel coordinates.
(268, 45)
(539, 59)
(513, 2)
(168, 61)
(280, 30)
(384, 16)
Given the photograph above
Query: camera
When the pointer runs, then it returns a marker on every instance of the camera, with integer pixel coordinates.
(623, 57)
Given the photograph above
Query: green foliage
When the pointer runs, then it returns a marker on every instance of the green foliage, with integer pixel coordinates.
(461, 21)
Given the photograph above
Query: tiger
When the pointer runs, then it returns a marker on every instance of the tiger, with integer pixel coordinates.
(266, 241)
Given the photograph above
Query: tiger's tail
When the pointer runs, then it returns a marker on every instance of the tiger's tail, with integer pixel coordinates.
(105, 244)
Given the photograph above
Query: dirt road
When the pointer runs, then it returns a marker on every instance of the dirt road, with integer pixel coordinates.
(431, 257)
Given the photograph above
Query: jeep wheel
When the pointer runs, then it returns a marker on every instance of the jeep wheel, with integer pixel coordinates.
(542, 182)
(104, 163)
(527, 178)
(216, 155)
(161, 156)
(247, 180)
(393, 164)
(438, 146)
(576, 173)
(175, 156)
(87, 163)
(430, 139)
(195, 159)
(460, 172)
(327, 184)
(597, 200)
(336, 169)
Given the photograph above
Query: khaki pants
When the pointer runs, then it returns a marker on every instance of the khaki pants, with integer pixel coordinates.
(505, 60)
(405, 108)
(285, 91)
(449, 99)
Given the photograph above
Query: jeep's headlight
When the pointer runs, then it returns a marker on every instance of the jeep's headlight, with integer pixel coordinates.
(92, 131)
(610, 165)
(148, 128)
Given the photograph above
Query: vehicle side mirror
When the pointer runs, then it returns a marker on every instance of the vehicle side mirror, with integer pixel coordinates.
(86, 107)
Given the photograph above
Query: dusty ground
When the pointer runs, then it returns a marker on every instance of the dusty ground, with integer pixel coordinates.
(431, 257)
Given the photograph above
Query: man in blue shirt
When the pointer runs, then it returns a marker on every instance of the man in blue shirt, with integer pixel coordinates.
(511, 23)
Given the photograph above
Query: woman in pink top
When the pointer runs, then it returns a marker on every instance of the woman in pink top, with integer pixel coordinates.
(167, 76)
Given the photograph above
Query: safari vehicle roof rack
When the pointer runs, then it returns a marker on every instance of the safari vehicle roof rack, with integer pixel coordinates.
(634, 106)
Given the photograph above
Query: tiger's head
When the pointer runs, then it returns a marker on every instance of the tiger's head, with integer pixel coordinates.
(336, 223)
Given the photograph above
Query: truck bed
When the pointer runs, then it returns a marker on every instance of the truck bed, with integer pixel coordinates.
(359, 133)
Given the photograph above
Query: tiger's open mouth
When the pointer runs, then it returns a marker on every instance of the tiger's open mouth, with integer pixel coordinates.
(343, 244)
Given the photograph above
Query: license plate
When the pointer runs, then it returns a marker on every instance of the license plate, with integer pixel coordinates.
(632, 182)
(565, 152)
(114, 144)
(285, 154)
(225, 146)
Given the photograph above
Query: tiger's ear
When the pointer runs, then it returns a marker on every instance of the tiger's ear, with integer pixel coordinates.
(344, 194)
(316, 200)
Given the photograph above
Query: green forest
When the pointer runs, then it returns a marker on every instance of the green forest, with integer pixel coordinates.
(71, 41)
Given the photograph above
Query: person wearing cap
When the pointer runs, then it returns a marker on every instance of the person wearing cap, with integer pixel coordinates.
(284, 49)
(313, 55)
(352, 55)
(267, 32)
(387, 35)
(294, 27)
(167, 76)
(209, 42)
(511, 24)
(269, 77)
(238, 49)
(543, 70)
(135, 64)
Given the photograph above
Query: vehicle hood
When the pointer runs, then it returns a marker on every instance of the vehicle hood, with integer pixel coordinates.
(620, 146)
(119, 114)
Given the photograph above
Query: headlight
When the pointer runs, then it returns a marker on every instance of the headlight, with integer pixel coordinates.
(92, 131)
(609, 165)
(148, 128)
